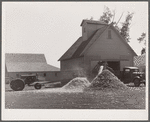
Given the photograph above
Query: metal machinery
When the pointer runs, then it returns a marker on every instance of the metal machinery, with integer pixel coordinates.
(19, 83)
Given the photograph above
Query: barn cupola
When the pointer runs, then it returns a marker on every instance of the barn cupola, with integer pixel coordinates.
(89, 27)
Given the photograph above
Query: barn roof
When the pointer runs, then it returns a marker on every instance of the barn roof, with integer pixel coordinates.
(80, 47)
(68, 54)
(16, 62)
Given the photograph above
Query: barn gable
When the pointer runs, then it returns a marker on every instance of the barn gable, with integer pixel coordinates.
(109, 47)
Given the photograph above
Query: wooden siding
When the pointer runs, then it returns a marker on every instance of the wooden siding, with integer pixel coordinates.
(64, 75)
(109, 48)
(72, 64)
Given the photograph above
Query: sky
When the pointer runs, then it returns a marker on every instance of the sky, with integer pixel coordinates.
(50, 28)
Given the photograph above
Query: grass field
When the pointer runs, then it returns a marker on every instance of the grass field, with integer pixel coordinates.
(57, 98)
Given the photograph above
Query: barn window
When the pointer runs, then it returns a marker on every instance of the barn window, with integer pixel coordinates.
(109, 34)
(44, 74)
(56, 74)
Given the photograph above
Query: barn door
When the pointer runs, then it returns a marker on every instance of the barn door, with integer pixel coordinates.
(115, 65)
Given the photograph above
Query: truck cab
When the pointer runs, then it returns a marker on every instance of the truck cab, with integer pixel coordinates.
(132, 75)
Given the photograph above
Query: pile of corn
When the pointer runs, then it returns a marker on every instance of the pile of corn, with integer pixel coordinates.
(107, 79)
(78, 83)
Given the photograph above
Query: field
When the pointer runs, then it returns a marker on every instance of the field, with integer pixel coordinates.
(58, 98)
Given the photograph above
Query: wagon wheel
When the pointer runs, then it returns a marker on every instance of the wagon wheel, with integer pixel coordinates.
(17, 85)
(37, 86)
(136, 82)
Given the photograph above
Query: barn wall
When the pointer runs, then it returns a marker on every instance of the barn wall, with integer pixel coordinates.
(62, 75)
(110, 50)
(72, 64)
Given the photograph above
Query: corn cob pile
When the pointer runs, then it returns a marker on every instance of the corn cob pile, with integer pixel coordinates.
(77, 83)
(107, 80)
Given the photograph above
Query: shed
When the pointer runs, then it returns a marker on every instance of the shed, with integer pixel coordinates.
(17, 64)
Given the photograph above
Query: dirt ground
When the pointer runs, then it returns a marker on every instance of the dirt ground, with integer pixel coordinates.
(57, 98)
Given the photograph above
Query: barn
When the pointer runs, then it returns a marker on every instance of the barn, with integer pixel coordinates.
(99, 42)
(17, 64)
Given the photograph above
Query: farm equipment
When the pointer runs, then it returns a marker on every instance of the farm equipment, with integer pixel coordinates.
(132, 75)
(32, 80)
(19, 83)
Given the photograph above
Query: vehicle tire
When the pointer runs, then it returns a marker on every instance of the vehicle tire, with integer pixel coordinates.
(17, 85)
(136, 82)
(37, 86)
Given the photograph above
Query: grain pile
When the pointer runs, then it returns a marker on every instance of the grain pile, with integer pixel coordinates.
(106, 79)
(78, 83)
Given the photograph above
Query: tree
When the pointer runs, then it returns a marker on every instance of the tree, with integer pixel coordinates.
(141, 39)
(124, 31)
(143, 51)
(107, 15)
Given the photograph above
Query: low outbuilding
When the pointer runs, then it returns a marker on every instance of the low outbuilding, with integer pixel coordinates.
(17, 64)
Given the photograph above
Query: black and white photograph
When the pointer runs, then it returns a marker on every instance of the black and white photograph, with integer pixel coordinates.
(72, 60)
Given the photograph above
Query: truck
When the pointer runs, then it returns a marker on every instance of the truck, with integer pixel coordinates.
(133, 75)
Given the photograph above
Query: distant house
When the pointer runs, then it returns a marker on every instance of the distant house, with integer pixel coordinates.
(99, 42)
(17, 64)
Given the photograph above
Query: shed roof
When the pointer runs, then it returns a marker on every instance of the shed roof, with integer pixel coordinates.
(16, 62)
(22, 57)
(30, 67)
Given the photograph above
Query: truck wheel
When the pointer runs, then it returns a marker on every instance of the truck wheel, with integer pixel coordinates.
(136, 82)
(37, 86)
(17, 85)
